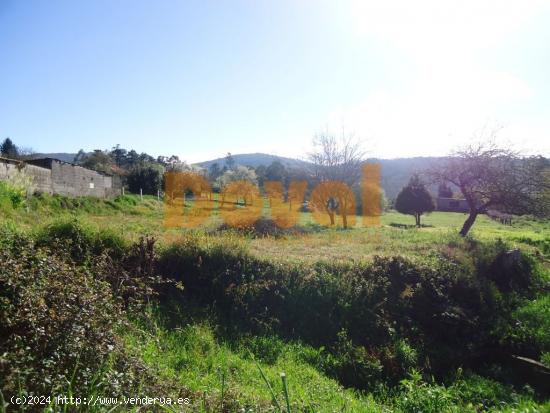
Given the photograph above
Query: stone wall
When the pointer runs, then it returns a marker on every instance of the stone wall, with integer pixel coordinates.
(41, 177)
(72, 180)
(58, 177)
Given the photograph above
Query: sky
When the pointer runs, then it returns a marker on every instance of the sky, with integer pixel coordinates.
(202, 78)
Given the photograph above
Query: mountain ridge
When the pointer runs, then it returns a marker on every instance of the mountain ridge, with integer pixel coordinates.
(254, 160)
(395, 173)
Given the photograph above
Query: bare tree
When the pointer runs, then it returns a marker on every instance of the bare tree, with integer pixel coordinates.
(336, 161)
(490, 176)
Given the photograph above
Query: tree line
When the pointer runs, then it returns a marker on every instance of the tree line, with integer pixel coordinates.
(485, 175)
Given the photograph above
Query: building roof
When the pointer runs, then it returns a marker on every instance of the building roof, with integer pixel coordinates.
(9, 160)
(39, 160)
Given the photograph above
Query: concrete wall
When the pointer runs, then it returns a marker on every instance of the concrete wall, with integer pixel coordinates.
(57, 177)
(41, 176)
(72, 180)
(113, 186)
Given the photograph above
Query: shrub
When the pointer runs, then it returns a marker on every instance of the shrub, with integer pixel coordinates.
(419, 396)
(82, 243)
(532, 324)
(353, 365)
(414, 199)
(11, 196)
(265, 348)
(482, 393)
(59, 319)
(57, 322)
(406, 356)
(266, 227)
(395, 314)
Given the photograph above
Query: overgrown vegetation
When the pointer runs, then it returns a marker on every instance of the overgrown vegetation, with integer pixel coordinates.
(449, 310)
(92, 310)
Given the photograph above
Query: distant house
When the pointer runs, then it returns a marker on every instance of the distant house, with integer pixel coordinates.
(58, 177)
(452, 205)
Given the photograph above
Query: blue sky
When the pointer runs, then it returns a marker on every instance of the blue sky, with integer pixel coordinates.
(199, 78)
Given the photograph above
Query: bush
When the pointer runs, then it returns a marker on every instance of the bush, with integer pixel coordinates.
(57, 322)
(470, 393)
(267, 349)
(59, 319)
(10, 196)
(82, 243)
(419, 396)
(265, 227)
(532, 324)
(353, 365)
(396, 314)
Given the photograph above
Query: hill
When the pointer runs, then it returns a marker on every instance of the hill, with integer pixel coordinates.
(395, 172)
(256, 159)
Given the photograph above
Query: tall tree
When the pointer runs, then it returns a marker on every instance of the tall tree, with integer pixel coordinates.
(98, 160)
(276, 171)
(145, 157)
(229, 161)
(79, 157)
(542, 205)
(8, 149)
(335, 160)
(132, 157)
(414, 199)
(119, 155)
(146, 177)
(214, 172)
(490, 176)
(260, 173)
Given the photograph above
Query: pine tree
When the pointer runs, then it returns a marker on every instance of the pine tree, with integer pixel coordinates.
(8, 149)
(414, 199)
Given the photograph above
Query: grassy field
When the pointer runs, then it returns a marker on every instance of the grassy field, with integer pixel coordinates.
(133, 218)
(228, 346)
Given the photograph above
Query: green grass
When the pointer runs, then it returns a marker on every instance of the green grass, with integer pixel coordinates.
(440, 231)
(198, 354)
(193, 356)
(248, 369)
(132, 218)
